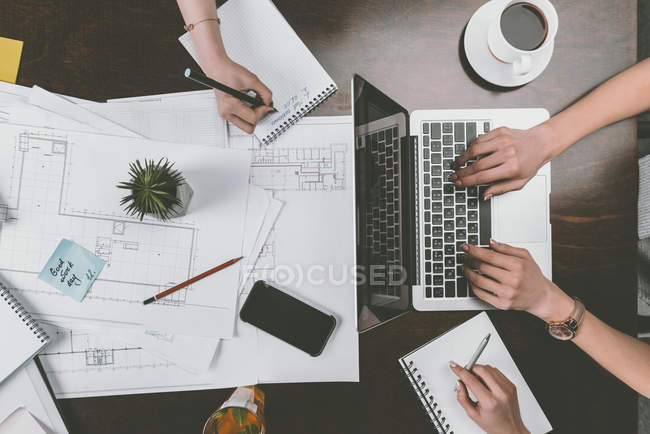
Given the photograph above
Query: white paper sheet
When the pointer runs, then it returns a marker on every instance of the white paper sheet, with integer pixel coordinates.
(26, 388)
(193, 354)
(9, 95)
(23, 113)
(21, 421)
(67, 188)
(185, 119)
(14, 92)
(257, 250)
(310, 168)
(68, 109)
(82, 364)
(164, 96)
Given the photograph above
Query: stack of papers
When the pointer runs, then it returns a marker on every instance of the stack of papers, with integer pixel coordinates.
(284, 207)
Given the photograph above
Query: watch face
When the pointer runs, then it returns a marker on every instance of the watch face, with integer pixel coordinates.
(560, 331)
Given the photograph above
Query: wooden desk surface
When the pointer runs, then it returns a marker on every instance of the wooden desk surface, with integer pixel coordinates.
(410, 49)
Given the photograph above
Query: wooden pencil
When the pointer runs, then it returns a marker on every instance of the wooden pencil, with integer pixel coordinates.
(191, 281)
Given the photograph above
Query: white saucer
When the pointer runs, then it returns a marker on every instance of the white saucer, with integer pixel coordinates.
(485, 64)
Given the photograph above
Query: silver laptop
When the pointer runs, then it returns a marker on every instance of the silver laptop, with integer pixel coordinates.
(411, 221)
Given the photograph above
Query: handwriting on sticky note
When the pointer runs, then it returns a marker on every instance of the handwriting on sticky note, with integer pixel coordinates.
(71, 269)
(291, 106)
(63, 269)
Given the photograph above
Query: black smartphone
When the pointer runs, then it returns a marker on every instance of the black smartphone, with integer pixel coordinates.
(287, 318)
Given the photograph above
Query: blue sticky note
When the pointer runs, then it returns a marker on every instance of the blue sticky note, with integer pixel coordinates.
(71, 269)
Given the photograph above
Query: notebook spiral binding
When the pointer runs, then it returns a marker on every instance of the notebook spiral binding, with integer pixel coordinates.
(427, 401)
(302, 112)
(23, 314)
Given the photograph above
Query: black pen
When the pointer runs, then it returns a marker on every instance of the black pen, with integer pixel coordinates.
(208, 82)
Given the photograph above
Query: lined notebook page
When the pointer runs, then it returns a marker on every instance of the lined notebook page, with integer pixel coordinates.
(432, 362)
(20, 336)
(257, 36)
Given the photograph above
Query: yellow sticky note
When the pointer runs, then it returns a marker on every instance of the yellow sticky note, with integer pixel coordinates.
(10, 51)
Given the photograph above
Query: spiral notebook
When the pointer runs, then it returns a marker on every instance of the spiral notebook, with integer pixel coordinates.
(20, 335)
(257, 36)
(427, 369)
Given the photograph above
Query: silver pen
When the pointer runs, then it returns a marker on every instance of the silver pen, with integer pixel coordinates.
(477, 353)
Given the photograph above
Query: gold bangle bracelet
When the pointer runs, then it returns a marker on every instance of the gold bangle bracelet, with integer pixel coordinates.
(190, 27)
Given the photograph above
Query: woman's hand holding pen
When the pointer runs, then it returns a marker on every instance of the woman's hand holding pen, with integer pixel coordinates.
(232, 109)
(216, 64)
(497, 408)
(511, 157)
(508, 278)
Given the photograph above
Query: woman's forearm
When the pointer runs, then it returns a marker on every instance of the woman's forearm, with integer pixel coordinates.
(625, 357)
(206, 36)
(620, 97)
(202, 21)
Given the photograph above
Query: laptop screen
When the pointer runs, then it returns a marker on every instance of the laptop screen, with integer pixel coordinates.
(382, 163)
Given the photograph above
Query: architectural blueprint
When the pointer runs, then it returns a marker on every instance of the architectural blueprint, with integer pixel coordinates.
(134, 370)
(316, 226)
(182, 119)
(310, 252)
(82, 363)
(56, 184)
(299, 169)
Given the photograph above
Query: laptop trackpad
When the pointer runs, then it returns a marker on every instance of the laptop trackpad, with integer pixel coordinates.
(521, 215)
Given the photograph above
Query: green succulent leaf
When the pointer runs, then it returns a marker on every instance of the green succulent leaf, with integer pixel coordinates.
(153, 189)
(250, 429)
(240, 415)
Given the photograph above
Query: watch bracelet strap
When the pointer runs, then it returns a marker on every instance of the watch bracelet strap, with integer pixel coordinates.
(575, 318)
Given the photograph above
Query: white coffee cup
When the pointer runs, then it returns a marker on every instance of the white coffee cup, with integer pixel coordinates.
(503, 51)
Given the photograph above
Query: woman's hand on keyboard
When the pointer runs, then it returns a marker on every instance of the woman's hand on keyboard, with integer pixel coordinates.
(231, 108)
(497, 406)
(509, 157)
(509, 278)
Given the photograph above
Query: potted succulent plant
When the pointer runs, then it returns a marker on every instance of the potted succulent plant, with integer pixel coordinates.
(157, 190)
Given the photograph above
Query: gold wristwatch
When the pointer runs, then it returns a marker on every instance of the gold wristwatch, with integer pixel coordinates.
(566, 329)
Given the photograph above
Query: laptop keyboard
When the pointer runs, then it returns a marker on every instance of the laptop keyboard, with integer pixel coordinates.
(382, 219)
(450, 216)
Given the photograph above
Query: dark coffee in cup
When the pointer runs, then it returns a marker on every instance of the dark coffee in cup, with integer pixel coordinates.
(523, 26)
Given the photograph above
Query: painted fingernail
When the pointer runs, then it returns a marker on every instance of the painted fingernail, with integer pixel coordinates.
(452, 364)
(465, 247)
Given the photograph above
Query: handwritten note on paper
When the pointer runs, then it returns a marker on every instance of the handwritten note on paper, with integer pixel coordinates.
(71, 269)
(290, 107)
